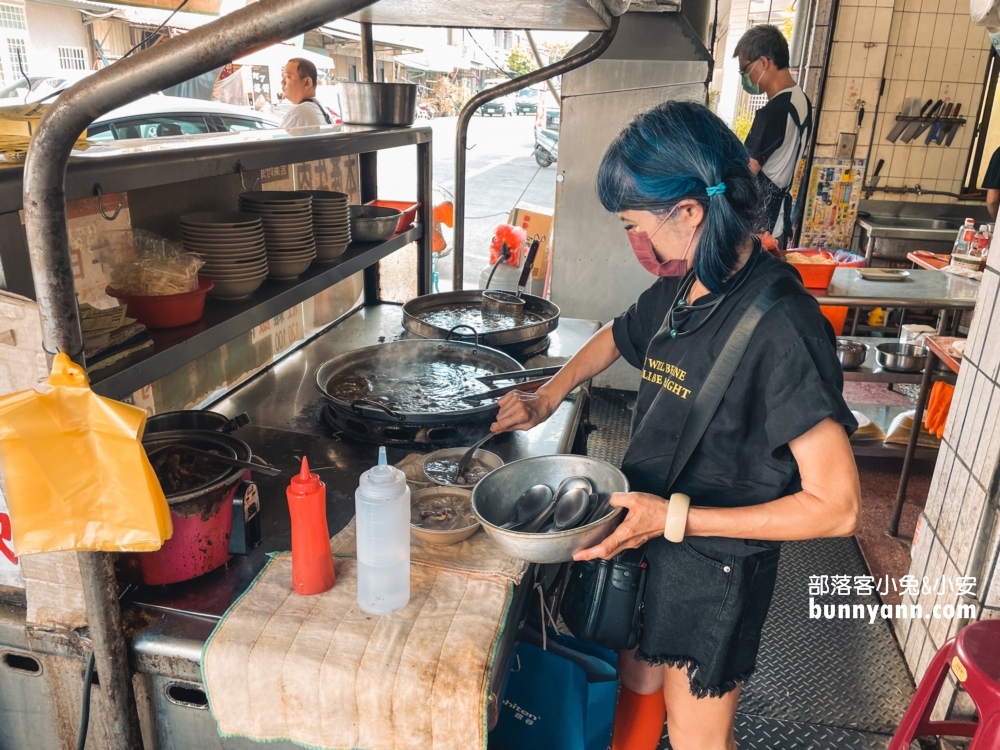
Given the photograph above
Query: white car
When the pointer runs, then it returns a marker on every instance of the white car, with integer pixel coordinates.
(42, 88)
(159, 116)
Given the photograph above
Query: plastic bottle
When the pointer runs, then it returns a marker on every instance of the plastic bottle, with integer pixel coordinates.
(983, 237)
(965, 237)
(382, 508)
(312, 560)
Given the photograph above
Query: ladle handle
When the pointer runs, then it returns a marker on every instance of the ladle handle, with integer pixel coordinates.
(529, 262)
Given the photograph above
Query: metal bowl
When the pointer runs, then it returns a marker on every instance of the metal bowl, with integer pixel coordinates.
(371, 103)
(901, 357)
(851, 353)
(442, 538)
(373, 223)
(489, 460)
(494, 498)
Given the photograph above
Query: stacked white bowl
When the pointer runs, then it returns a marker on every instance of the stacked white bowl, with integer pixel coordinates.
(232, 246)
(331, 224)
(288, 230)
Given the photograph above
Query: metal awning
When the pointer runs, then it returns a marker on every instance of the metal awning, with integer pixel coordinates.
(556, 15)
(210, 7)
(278, 55)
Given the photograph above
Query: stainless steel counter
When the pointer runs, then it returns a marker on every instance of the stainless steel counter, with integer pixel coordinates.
(929, 289)
(170, 624)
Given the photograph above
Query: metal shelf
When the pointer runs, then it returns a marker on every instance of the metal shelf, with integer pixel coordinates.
(131, 165)
(223, 321)
(870, 372)
(882, 415)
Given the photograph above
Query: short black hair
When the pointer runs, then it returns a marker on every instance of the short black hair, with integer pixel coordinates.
(764, 41)
(308, 70)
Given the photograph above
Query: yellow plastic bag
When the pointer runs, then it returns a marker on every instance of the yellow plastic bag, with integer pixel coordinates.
(75, 473)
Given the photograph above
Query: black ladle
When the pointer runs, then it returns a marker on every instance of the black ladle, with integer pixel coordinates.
(532, 503)
(567, 511)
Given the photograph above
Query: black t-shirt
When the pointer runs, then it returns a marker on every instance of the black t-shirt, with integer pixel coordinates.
(788, 382)
(992, 179)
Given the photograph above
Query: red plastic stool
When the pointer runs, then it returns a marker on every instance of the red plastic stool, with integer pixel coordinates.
(974, 656)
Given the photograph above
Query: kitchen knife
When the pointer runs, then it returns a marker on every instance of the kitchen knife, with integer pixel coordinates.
(953, 126)
(528, 263)
(935, 131)
(926, 121)
(911, 127)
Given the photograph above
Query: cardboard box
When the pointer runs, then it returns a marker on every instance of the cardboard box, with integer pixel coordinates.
(23, 365)
(537, 222)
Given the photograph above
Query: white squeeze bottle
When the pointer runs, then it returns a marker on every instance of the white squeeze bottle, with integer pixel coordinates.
(382, 509)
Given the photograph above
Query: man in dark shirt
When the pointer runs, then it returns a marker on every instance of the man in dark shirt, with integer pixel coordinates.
(780, 128)
(992, 184)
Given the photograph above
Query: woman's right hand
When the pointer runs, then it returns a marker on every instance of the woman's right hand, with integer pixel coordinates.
(522, 411)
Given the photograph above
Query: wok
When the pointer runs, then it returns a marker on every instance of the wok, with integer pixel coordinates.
(412, 381)
(433, 316)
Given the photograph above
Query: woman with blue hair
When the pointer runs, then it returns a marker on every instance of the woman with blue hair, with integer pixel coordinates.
(774, 462)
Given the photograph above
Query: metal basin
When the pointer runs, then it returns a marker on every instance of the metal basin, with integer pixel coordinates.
(494, 498)
(910, 228)
(901, 357)
(373, 103)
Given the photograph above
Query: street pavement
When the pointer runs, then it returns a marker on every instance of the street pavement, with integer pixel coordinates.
(500, 166)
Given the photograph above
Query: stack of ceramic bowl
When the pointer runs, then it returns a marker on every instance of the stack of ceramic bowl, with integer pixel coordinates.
(288, 231)
(232, 246)
(331, 224)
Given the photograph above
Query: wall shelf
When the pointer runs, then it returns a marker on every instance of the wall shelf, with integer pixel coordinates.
(223, 321)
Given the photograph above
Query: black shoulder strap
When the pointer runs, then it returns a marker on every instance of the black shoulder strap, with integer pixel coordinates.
(322, 110)
(710, 395)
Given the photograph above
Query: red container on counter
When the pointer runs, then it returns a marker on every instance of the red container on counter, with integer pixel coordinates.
(409, 209)
(168, 310)
(312, 560)
(815, 275)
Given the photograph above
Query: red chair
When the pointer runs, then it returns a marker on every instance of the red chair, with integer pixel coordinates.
(974, 656)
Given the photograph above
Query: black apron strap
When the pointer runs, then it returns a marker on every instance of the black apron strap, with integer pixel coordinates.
(322, 110)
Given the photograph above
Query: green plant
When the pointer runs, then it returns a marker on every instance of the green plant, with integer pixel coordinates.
(741, 125)
(520, 62)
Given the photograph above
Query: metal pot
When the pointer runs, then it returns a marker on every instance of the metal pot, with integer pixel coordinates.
(434, 316)
(427, 378)
(495, 496)
(901, 357)
(367, 103)
(195, 419)
(851, 354)
(202, 516)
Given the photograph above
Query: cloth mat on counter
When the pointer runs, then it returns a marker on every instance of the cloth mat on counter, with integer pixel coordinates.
(318, 671)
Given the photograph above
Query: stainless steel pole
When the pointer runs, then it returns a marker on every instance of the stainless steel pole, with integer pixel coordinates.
(164, 65)
(465, 116)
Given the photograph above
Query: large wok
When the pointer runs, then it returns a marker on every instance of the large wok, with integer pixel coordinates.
(416, 388)
(433, 316)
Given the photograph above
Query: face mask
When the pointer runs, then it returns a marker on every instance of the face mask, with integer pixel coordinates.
(748, 85)
(642, 246)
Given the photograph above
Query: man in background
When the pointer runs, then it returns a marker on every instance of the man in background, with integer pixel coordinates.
(298, 84)
(992, 184)
(780, 129)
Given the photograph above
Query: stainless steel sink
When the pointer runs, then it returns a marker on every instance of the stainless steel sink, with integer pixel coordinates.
(910, 228)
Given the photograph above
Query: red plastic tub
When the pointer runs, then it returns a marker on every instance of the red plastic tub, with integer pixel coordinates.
(408, 208)
(815, 275)
(166, 311)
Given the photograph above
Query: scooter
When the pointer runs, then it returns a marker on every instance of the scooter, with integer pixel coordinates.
(546, 147)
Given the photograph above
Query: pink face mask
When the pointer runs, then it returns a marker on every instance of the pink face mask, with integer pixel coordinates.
(642, 246)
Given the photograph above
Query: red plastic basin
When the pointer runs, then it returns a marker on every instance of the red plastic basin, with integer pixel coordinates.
(169, 310)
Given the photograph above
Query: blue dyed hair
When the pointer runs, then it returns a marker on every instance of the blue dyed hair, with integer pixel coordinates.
(674, 152)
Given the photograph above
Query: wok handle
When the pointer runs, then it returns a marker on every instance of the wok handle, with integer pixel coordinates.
(529, 262)
(376, 405)
(468, 327)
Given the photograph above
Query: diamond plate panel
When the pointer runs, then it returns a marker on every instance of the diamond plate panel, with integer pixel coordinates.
(759, 733)
(611, 414)
(844, 673)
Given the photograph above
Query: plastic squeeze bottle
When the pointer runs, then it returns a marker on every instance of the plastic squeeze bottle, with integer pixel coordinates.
(382, 509)
(312, 560)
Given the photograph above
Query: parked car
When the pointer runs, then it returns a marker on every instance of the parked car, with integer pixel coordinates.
(37, 88)
(503, 106)
(159, 116)
(527, 101)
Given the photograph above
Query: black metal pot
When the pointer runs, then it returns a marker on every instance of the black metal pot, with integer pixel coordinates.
(195, 419)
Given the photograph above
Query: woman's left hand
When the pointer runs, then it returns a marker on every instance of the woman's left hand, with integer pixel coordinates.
(647, 515)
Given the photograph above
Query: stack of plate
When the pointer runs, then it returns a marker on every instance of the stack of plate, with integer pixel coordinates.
(232, 246)
(288, 231)
(331, 224)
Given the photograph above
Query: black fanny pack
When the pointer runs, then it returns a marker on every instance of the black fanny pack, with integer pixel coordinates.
(602, 602)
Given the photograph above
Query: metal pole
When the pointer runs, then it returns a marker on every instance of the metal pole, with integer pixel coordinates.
(465, 117)
(425, 194)
(369, 161)
(538, 62)
(161, 66)
(911, 444)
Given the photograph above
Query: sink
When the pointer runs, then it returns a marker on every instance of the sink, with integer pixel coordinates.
(910, 228)
(892, 237)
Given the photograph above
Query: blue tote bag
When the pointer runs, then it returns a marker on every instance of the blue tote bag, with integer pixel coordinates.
(560, 697)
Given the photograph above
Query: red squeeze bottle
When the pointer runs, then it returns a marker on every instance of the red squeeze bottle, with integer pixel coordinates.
(312, 560)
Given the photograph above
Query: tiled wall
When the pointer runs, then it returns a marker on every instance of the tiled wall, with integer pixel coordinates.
(958, 535)
(926, 49)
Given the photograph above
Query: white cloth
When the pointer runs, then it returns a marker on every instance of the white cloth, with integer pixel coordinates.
(302, 115)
